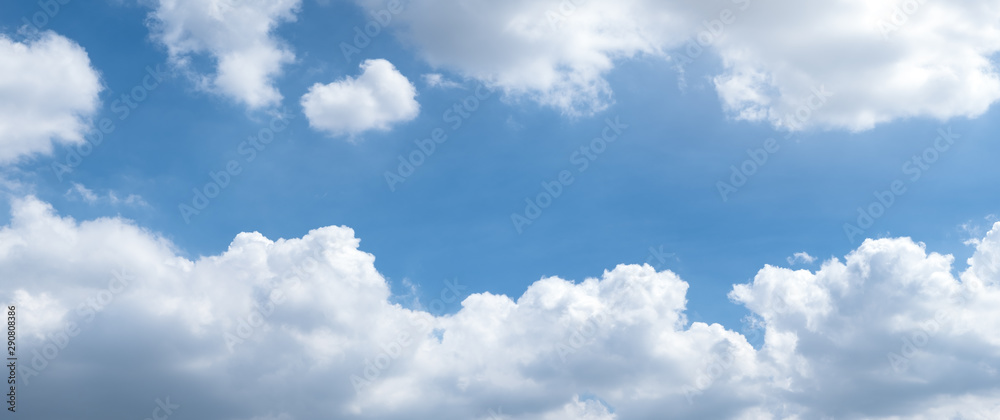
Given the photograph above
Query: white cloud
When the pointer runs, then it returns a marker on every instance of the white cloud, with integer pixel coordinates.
(378, 98)
(48, 94)
(237, 35)
(308, 318)
(930, 67)
(774, 54)
(130, 200)
(800, 257)
(80, 192)
(890, 323)
(438, 80)
(974, 230)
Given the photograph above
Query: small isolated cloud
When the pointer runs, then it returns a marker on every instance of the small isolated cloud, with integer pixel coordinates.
(237, 35)
(378, 98)
(800, 257)
(512, 124)
(437, 80)
(80, 192)
(48, 94)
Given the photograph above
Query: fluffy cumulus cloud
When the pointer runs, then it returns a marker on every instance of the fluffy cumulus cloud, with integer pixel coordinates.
(880, 60)
(890, 329)
(305, 328)
(236, 35)
(48, 94)
(375, 100)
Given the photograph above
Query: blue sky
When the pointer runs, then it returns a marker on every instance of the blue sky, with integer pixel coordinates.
(653, 190)
(656, 188)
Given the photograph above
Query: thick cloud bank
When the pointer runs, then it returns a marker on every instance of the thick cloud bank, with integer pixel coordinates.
(304, 328)
(883, 60)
